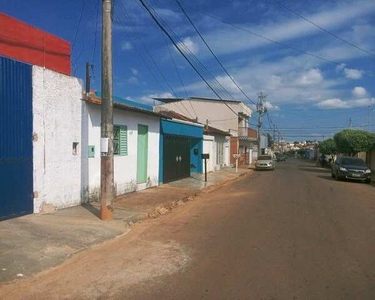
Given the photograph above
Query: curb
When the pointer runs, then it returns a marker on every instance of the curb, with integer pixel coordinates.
(169, 207)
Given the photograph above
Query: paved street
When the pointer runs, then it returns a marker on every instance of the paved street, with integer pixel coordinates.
(289, 234)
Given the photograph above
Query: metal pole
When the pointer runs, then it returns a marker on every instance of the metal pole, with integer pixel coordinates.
(258, 135)
(87, 78)
(205, 170)
(368, 118)
(261, 110)
(106, 158)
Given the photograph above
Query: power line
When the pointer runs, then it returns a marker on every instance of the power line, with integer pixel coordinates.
(199, 64)
(183, 54)
(79, 24)
(179, 76)
(266, 38)
(146, 64)
(322, 28)
(83, 41)
(151, 57)
(96, 33)
(213, 54)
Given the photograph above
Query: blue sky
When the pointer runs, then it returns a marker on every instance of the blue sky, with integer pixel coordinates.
(315, 96)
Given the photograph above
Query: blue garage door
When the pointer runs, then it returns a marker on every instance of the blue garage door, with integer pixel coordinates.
(16, 149)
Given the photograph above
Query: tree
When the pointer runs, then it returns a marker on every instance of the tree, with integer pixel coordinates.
(350, 141)
(328, 147)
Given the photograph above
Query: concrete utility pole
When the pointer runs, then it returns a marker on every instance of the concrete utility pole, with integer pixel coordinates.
(106, 147)
(368, 118)
(261, 111)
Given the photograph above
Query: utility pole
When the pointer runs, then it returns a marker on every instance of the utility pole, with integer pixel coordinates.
(261, 111)
(350, 122)
(368, 118)
(106, 143)
(88, 79)
(274, 138)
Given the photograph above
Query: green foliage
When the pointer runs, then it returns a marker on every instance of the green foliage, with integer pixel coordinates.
(350, 141)
(328, 147)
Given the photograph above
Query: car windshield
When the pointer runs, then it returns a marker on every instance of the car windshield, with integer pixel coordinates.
(353, 162)
(266, 157)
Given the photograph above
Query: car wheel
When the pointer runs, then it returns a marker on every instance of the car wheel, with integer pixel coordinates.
(337, 176)
(368, 181)
(332, 175)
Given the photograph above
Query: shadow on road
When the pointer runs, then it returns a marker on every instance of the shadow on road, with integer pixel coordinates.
(348, 181)
(326, 177)
(315, 170)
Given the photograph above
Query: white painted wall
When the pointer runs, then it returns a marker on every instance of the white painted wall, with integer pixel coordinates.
(210, 145)
(125, 167)
(56, 125)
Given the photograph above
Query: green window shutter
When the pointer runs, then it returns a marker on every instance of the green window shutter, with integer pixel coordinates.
(123, 140)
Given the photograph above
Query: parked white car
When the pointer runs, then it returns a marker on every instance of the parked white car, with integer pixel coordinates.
(265, 162)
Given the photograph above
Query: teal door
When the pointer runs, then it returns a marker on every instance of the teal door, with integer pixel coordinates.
(142, 153)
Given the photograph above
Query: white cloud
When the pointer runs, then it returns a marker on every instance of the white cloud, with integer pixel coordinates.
(270, 106)
(359, 91)
(187, 42)
(353, 73)
(332, 104)
(135, 72)
(340, 67)
(125, 46)
(167, 13)
(227, 83)
(312, 76)
(225, 40)
(340, 104)
(148, 99)
(133, 80)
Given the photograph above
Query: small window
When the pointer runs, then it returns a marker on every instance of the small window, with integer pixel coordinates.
(120, 140)
(75, 148)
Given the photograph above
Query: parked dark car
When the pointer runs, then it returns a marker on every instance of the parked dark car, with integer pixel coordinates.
(351, 168)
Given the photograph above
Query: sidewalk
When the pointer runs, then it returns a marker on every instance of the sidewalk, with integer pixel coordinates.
(37, 242)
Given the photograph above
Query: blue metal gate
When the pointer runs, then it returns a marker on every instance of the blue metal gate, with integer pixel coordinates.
(16, 149)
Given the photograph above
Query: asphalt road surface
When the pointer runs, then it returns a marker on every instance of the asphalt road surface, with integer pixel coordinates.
(293, 233)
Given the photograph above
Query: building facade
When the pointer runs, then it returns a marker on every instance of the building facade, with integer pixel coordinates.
(230, 116)
(136, 147)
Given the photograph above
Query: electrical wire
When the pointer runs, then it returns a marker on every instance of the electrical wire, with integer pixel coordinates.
(146, 64)
(213, 54)
(266, 38)
(198, 64)
(153, 60)
(75, 64)
(322, 28)
(183, 54)
(179, 76)
(96, 33)
(79, 24)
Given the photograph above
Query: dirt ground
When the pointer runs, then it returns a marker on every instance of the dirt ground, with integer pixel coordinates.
(289, 234)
